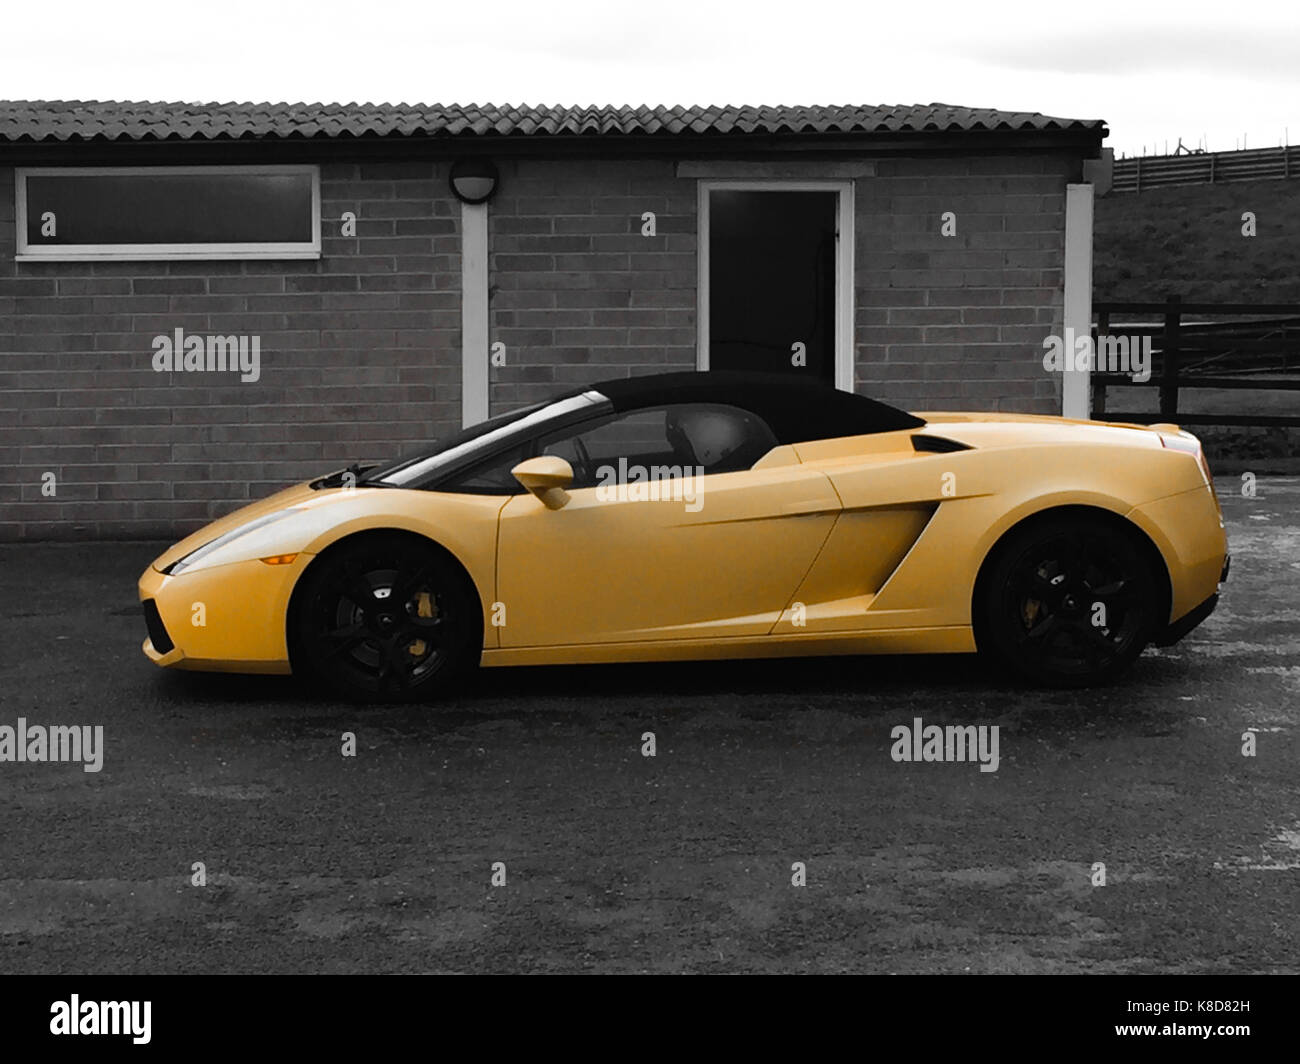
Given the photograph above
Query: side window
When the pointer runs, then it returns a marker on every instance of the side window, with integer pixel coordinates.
(684, 439)
(491, 477)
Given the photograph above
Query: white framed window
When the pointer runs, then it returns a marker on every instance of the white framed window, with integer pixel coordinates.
(89, 213)
(781, 275)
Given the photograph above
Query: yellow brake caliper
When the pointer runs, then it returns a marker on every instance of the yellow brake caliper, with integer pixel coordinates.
(423, 608)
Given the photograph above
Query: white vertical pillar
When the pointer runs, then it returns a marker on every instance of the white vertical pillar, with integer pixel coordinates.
(846, 359)
(1076, 389)
(474, 312)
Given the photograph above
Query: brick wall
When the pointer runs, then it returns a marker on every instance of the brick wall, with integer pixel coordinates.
(577, 293)
(957, 322)
(942, 322)
(361, 350)
(360, 357)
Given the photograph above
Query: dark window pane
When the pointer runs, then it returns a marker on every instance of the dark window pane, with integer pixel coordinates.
(251, 208)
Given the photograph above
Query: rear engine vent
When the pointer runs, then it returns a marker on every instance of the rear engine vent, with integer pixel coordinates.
(937, 445)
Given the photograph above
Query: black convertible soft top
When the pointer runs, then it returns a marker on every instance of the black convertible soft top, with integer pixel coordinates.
(797, 409)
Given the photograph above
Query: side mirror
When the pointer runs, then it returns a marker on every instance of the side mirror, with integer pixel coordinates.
(546, 477)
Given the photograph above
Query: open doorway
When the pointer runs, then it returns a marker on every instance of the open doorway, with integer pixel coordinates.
(776, 278)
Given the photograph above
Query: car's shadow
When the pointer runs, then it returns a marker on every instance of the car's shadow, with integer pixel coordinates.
(830, 676)
(875, 688)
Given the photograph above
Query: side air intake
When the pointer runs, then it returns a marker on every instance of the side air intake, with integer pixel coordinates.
(937, 444)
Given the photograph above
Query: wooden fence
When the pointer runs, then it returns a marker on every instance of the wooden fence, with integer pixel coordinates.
(1158, 171)
(1225, 346)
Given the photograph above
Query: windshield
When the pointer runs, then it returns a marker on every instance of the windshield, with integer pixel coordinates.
(486, 436)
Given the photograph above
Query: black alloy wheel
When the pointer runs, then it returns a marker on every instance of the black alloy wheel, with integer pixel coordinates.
(1069, 601)
(385, 618)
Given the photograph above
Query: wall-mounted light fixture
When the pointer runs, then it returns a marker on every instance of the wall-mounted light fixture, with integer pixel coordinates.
(473, 180)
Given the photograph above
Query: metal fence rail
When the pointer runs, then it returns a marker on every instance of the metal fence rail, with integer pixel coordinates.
(1157, 171)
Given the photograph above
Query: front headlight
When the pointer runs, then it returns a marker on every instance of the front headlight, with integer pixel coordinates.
(202, 557)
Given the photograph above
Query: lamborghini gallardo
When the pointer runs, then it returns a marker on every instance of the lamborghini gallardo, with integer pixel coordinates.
(708, 515)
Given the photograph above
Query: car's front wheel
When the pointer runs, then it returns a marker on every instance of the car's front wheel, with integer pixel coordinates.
(384, 618)
(1069, 601)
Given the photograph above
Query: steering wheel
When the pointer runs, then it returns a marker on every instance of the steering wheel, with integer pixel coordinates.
(584, 471)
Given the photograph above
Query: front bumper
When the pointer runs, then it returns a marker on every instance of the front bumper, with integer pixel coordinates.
(229, 618)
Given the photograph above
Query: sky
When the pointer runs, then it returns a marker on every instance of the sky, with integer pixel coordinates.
(1213, 74)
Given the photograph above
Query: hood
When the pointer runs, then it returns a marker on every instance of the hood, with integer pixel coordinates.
(279, 501)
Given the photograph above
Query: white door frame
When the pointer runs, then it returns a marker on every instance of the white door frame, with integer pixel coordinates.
(844, 222)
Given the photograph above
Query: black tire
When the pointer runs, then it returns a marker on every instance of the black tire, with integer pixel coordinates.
(1068, 601)
(385, 618)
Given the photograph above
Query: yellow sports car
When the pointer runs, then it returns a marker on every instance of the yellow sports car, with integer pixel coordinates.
(708, 515)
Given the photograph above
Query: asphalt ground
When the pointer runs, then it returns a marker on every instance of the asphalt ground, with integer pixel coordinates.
(681, 862)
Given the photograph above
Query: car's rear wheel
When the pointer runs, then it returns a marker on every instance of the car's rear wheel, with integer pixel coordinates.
(1069, 601)
(385, 618)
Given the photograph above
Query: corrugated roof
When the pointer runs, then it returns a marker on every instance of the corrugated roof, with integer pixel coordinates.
(86, 120)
